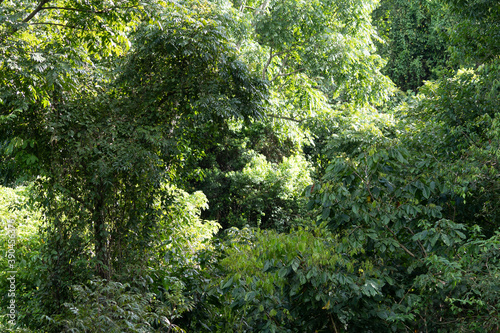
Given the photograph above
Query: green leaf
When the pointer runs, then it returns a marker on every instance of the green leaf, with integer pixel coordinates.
(325, 214)
(228, 283)
(295, 264)
(426, 191)
(283, 272)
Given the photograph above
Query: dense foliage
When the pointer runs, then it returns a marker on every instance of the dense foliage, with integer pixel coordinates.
(246, 166)
(413, 40)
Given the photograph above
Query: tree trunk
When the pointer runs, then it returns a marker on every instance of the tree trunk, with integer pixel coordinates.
(101, 236)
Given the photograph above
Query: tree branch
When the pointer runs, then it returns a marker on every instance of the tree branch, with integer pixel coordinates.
(264, 6)
(264, 70)
(26, 20)
(37, 9)
(402, 246)
(104, 11)
(77, 10)
(333, 324)
(419, 243)
(57, 24)
(271, 56)
(287, 118)
(244, 6)
(286, 74)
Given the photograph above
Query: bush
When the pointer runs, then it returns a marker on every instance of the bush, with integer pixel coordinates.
(110, 306)
(297, 282)
(19, 217)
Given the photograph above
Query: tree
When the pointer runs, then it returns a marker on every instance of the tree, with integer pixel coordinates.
(316, 57)
(104, 143)
(414, 42)
(415, 199)
(50, 50)
(475, 32)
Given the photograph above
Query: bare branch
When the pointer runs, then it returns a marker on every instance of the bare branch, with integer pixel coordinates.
(244, 6)
(333, 324)
(284, 61)
(264, 70)
(243, 3)
(419, 243)
(264, 6)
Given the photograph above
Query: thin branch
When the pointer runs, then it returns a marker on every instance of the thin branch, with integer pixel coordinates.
(37, 9)
(264, 70)
(26, 20)
(287, 118)
(333, 324)
(77, 9)
(57, 24)
(418, 241)
(284, 61)
(243, 4)
(286, 74)
(471, 139)
(271, 56)
(353, 230)
(367, 183)
(79, 200)
(104, 11)
(402, 246)
(264, 6)
(41, 7)
(484, 59)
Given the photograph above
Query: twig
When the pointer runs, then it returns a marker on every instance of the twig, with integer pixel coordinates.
(287, 118)
(418, 241)
(353, 230)
(286, 74)
(402, 246)
(57, 24)
(264, 6)
(271, 56)
(333, 324)
(77, 9)
(37, 9)
(104, 11)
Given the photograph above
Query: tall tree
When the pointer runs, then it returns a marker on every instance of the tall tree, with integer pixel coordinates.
(314, 54)
(104, 127)
(475, 32)
(413, 40)
(49, 50)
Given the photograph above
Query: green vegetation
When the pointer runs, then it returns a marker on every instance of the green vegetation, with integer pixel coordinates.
(249, 166)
